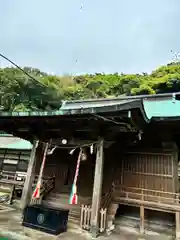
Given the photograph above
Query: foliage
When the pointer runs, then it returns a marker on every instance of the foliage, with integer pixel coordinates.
(20, 93)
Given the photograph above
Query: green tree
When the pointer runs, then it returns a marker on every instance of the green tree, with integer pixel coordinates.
(18, 92)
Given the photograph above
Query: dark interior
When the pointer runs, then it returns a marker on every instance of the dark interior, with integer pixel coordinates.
(155, 221)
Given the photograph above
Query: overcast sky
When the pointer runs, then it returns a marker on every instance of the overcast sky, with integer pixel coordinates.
(86, 36)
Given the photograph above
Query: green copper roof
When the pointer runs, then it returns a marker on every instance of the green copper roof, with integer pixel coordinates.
(162, 108)
(4, 134)
(27, 114)
(20, 145)
(14, 143)
(154, 106)
(84, 107)
(93, 103)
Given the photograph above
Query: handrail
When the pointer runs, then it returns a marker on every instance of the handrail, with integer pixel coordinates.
(106, 200)
(144, 190)
(47, 186)
(13, 176)
(169, 204)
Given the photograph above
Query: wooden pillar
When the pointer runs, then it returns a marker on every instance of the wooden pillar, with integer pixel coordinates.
(12, 194)
(177, 214)
(172, 148)
(141, 219)
(175, 168)
(27, 189)
(96, 199)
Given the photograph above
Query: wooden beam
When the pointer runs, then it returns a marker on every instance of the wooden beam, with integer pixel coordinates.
(175, 168)
(177, 214)
(96, 199)
(27, 189)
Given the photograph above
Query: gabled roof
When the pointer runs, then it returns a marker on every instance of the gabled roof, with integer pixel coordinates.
(138, 111)
(103, 106)
(84, 107)
(150, 106)
(160, 105)
(75, 118)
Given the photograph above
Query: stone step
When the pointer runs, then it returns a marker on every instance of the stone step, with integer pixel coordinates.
(75, 208)
(64, 199)
(73, 225)
(75, 213)
(58, 197)
(59, 204)
(63, 195)
(66, 196)
(55, 199)
(58, 200)
(73, 221)
(74, 218)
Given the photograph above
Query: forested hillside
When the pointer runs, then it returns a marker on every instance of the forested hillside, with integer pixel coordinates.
(20, 93)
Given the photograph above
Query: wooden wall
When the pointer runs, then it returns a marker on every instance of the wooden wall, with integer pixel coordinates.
(152, 173)
(149, 171)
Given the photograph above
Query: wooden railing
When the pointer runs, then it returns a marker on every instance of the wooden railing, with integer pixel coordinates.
(141, 196)
(12, 177)
(85, 221)
(148, 193)
(103, 220)
(18, 178)
(108, 197)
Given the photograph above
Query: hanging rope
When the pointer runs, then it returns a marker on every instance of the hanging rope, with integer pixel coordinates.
(74, 197)
(36, 193)
(70, 147)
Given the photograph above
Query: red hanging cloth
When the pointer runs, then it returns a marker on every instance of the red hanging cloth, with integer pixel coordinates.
(37, 191)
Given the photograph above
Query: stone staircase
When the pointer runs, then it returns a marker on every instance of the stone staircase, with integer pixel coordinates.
(60, 200)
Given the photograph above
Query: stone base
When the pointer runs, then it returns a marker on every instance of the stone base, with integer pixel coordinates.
(110, 228)
(177, 235)
(94, 231)
(113, 209)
